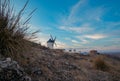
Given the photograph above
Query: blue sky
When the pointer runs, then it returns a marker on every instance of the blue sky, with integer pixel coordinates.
(86, 24)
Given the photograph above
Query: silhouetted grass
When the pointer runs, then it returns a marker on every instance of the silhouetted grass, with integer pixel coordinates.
(14, 33)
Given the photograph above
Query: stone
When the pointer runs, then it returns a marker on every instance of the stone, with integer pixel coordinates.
(37, 71)
(26, 78)
(11, 71)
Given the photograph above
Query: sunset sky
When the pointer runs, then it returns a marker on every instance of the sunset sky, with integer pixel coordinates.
(82, 24)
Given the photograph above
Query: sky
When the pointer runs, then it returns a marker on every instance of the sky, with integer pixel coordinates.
(80, 24)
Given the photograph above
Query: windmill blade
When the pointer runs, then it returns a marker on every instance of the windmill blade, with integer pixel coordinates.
(55, 44)
(54, 39)
(51, 37)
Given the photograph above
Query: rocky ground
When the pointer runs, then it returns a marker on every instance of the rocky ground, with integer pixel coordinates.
(43, 64)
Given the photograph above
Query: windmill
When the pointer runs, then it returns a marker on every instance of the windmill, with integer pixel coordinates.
(51, 42)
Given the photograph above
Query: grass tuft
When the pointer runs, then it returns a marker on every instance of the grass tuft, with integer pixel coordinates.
(100, 64)
(14, 34)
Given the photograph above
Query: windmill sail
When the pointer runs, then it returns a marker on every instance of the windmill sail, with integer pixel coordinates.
(54, 39)
(51, 37)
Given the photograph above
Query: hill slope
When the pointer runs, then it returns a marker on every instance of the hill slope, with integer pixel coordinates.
(56, 65)
(43, 64)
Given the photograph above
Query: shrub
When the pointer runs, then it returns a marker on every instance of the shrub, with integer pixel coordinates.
(14, 34)
(100, 64)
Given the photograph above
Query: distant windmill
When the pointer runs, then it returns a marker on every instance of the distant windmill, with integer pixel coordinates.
(51, 42)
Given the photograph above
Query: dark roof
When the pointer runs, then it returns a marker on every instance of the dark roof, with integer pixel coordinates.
(51, 41)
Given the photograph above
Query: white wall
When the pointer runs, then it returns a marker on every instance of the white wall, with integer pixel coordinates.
(50, 45)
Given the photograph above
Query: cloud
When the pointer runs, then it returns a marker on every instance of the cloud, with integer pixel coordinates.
(76, 29)
(71, 18)
(75, 9)
(83, 12)
(81, 29)
(82, 40)
(74, 41)
(86, 39)
(61, 45)
(42, 38)
(95, 36)
(82, 17)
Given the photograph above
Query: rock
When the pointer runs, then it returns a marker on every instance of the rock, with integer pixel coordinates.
(8, 59)
(37, 71)
(11, 71)
(66, 63)
(71, 66)
(26, 78)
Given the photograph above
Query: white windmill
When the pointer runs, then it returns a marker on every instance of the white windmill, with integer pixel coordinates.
(51, 42)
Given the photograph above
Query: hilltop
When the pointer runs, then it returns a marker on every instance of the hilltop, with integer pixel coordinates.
(56, 65)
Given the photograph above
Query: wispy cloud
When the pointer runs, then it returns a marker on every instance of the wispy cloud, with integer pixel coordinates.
(76, 29)
(74, 41)
(82, 17)
(82, 40)
(74, 10)
(95, 36)
(81, 29)
(83, 12)
(88, 25)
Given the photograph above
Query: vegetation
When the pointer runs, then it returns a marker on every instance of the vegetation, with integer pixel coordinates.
(14, 33)
(100, 64)
(56, 65)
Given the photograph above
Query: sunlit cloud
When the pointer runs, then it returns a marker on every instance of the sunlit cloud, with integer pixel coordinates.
(95, 36)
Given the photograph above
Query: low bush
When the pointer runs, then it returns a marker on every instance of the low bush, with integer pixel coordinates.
(100, 64)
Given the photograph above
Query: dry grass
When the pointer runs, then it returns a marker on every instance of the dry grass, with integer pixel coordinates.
(100, 64)
(13, 32)
(60, 66)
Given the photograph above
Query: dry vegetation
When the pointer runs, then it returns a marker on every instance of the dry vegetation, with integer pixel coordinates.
(13, 31)
(100, 64)
(56, 65)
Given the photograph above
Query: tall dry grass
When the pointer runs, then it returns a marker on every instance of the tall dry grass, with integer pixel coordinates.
(14, 34)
